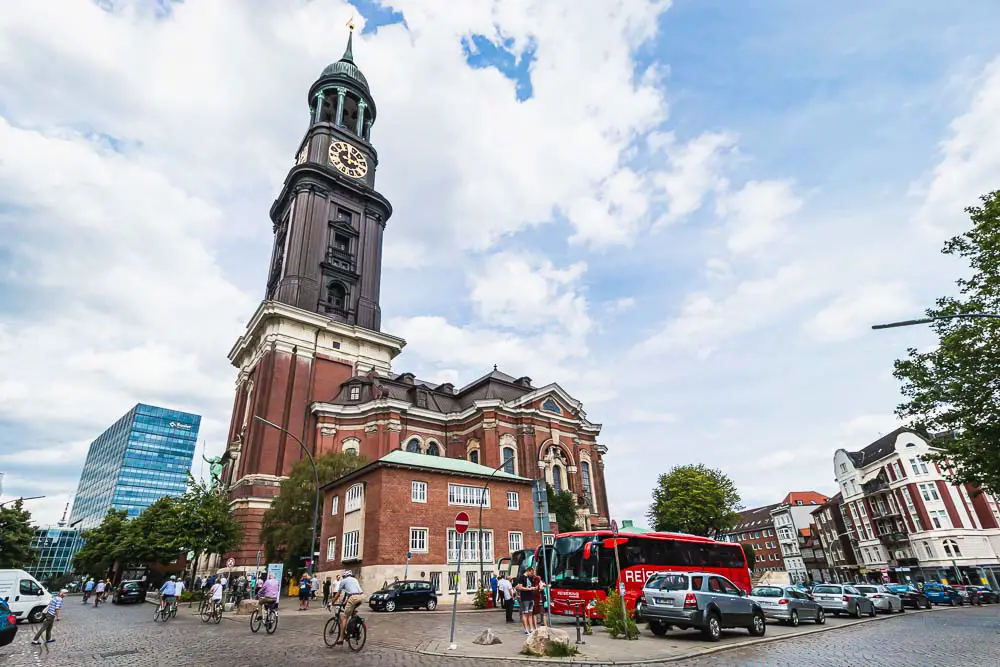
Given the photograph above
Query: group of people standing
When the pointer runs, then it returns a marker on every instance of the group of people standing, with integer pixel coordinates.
(530, 591)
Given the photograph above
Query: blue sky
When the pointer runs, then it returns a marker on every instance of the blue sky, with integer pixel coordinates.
(686, 214)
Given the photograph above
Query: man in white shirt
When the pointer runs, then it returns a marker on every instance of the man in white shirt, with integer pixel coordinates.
(224, 581)
(216, 593)
(179, 588)
(98, 592)
(353, 596)
(506, 593)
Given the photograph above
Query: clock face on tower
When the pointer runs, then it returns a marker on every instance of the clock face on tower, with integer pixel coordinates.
(348, 159)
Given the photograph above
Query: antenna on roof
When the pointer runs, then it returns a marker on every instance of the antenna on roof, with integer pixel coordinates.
(62, 521)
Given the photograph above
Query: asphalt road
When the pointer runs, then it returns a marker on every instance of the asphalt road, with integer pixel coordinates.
(111, 636)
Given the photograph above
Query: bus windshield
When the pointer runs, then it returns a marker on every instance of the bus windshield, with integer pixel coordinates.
(571, 570)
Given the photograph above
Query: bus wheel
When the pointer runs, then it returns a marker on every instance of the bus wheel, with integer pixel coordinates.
(658, 628)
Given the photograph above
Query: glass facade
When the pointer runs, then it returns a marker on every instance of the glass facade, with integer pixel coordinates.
(144, 456)
(56, 548)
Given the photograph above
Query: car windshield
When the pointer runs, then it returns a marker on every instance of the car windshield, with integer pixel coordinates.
(867, 589)
(767, 592)
(827, 589)
(668, 582)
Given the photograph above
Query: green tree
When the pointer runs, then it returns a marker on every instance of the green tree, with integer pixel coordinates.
(751, 556)
(287, 525)
(207, 524)
(103, 545)
(156, 535)
(16, 533)
(953, 387)
(563, 505)
(694, 499)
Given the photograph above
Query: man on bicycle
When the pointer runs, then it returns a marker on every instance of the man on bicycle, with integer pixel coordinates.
(351, 597)
(168, 592)
(268, 593)
(216, 593)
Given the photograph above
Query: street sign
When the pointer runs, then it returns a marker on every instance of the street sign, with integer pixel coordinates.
(540, 506)
(461, 523)
(231, 562)
(614, 528)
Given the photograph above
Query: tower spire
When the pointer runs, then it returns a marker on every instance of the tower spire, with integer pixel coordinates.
(349, 51)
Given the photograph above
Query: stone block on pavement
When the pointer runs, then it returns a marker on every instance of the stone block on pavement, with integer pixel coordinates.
(487, 638)
(247, 607)
(540, 639)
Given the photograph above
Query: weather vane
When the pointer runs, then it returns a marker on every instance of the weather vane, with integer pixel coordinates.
(350, 23)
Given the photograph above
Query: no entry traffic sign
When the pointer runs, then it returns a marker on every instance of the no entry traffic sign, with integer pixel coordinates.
(231, 562)
(461, 523)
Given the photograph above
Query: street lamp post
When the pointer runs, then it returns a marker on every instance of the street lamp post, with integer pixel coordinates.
(482, 500)
(928, 320)
(312, 544)
(14, 500)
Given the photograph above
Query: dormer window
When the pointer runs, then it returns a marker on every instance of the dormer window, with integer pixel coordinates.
(355, 392)
(551, 406)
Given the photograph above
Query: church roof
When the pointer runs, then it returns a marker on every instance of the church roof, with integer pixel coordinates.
(459, 466)
(346, 65)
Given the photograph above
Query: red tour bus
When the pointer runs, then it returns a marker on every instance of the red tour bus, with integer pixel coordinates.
(583, 569)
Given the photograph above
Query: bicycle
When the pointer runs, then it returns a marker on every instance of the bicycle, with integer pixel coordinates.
(357, 629)
(211, 612)
(269, 619)
(165, 612)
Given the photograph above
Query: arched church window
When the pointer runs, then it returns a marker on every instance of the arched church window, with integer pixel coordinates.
(508, 460)
(349, 121)
(585, 475)
(413, 446)
(432, 449)
(556, 478)
(474, 456)
(337, 295)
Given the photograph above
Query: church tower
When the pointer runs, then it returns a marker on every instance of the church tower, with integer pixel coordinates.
(318, 324)
(328, 219)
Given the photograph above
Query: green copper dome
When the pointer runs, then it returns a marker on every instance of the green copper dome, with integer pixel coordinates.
(346, 65)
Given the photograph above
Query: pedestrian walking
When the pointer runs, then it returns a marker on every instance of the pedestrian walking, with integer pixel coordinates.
(197, 583)
(314, 587)
(98, 592)
(506, 591)
(326, 592)
(494, 587)
(50, 616)
(304, 584)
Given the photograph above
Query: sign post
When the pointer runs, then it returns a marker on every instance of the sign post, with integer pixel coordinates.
(461, 525)
(406, 572)
(618, 570)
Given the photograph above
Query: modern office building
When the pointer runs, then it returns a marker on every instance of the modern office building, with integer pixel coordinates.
(142, 457)
(56, 546)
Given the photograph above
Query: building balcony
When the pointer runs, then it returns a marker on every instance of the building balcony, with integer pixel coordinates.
(894, 539)
(340, 258)
(875, 486)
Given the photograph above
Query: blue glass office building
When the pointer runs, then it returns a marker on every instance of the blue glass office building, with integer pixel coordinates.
(56, 547)
(144, 456)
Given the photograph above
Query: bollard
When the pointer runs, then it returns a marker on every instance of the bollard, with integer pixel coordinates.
(579, 622)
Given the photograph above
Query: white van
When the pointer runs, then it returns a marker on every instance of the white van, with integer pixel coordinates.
(26, 597)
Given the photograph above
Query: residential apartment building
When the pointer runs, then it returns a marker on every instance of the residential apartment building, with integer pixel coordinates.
(756, 528)
(792, 514)
(907, 522)
(831, 530)
(395, 517)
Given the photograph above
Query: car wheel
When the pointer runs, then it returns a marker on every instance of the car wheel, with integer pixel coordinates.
(927, 604)
(713, 628)
(857, 610)
(36, 615)
(432, 605)
(758, 627)
(793, 620)
(951, 601)
(657, 628)
(873, 612)
(390, 605)
(820, 616)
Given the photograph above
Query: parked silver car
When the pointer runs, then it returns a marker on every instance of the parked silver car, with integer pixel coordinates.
(884, 599)
(840, 599)
(788, 605)
(702, 600)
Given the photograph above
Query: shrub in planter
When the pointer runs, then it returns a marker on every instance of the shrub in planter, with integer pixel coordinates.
(619, 626)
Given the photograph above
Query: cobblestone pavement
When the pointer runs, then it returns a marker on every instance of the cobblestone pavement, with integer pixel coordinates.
(112, 636)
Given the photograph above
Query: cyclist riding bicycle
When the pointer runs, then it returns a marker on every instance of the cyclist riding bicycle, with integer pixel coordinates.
(268, 593)
(350, 596)
(216, 595)
(168, 592)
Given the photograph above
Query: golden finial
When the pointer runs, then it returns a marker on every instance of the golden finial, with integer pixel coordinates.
(350, 23)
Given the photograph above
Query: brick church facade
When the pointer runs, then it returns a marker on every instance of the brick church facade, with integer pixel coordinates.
(314, 362)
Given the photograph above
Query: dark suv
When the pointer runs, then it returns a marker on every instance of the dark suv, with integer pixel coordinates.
(702, 600)
(128, 591)
(404, 595)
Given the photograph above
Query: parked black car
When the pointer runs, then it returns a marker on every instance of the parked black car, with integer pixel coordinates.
(128, 591)
(988, 595)
(910, 596)
(404, 595)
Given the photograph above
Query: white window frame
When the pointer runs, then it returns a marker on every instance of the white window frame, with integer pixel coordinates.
(516, 505)
(334, 505)
(351, 546)
(463, 495)
(469, 545)
(418, 491)
(352, 500)
(515, 541)
(417, 532)
(331, 549)
(355, 392)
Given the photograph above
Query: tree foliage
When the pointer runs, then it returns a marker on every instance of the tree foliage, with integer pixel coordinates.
(694, 499)
(563, 505)
(287, 525)
(207, 524)
(103, 545)
(16, 533)
(955, 388)
(751, 556)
